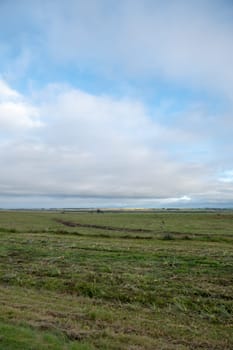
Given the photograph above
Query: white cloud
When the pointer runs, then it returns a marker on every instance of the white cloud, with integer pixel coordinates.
(99, 149)
(98, 146)
(15, 112)
(6, 92)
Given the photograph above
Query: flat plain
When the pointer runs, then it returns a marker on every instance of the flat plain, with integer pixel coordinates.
(116, 280)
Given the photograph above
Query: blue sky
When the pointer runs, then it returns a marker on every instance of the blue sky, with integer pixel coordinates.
(126, 104)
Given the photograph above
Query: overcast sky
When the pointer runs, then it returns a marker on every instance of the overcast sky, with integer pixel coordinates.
(125, 103)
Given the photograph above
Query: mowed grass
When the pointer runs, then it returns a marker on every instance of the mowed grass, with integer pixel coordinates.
(158, 280)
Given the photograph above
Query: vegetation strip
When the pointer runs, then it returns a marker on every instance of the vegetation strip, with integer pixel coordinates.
(110, 228)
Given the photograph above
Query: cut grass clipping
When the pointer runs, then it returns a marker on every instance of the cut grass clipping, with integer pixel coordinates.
(140, 280)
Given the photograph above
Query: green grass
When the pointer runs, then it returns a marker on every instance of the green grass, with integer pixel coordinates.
(154, 280)
(25, 338)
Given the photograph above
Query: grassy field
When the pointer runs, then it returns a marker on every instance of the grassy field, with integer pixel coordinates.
(158, 280)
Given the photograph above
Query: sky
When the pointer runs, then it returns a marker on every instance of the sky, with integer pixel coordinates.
(124, 103)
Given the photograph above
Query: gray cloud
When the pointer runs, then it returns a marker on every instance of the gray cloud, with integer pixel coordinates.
(187, 41)
(190, 42)
(101, 147)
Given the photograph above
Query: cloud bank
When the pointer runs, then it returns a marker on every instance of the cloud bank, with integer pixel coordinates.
(100, 147)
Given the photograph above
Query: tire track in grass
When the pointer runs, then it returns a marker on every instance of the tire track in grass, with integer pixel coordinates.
(103, 227)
